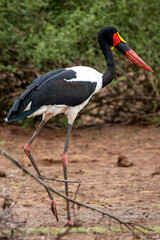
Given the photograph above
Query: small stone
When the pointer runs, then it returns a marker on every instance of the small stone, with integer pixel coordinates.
(123, 161)
(3, 174)
(156, 172)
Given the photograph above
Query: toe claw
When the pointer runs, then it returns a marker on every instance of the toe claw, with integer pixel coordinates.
(54, 209)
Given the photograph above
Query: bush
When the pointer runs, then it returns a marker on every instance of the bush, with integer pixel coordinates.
(38, 36)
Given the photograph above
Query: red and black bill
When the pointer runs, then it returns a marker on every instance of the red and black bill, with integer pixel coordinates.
(120, 44)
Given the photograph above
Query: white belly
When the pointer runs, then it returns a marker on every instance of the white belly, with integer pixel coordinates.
(50, 111)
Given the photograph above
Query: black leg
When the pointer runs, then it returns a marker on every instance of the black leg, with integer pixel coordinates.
(28, 153)
(65, 163)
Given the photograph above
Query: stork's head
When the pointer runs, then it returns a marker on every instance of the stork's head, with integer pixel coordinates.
(113, 38)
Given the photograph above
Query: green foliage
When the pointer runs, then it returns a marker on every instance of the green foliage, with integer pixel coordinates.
(45, 35)
(61, 33)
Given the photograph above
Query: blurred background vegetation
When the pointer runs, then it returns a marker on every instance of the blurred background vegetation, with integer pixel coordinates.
(39, 36)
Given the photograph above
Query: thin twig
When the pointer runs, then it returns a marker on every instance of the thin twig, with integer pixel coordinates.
(77, 191)
(75, 199)
(138, 225)
(60, 180)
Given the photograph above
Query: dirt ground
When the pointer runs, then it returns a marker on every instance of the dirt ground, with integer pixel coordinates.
(130, 193)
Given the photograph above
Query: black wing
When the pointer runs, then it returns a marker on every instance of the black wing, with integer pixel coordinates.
(52, 88)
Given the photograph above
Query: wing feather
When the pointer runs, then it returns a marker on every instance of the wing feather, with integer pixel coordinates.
(53, 88)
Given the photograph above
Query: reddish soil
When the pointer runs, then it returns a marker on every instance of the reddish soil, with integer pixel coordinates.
(130, 193)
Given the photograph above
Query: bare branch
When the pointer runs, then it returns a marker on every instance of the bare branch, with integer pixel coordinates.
(75, 199)
(60, 180)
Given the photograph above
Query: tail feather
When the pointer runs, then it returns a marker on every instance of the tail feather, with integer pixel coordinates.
(18, 112)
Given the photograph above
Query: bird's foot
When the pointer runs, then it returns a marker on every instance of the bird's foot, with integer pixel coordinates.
(68, 223)
(65, 159)
(27, 149)
(54, 209)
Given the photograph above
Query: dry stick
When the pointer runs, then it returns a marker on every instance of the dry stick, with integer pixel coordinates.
(75, 199)
(138, 225)
(60, 180)
(22, 167)
(77, 191)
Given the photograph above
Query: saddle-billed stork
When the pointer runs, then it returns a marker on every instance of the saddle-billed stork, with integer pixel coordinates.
(67, 91)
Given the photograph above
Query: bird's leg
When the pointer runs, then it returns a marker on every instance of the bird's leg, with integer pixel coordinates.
(27, 150)
(65, 163)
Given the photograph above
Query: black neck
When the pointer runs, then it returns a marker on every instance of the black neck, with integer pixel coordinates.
(111, 69)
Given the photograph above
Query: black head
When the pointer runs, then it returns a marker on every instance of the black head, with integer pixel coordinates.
(106, 33)
(111, 36)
